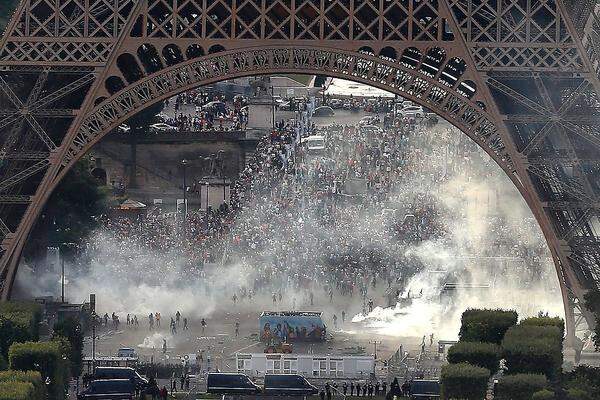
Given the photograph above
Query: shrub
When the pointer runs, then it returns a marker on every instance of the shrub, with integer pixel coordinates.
(33, 377)
(486, 325)
(584, 378)
(485, 355)
(47, 357)
(71, 330)
(464, 381)
(533, 349)
(19, 322)
(545, 321)
(520, 386)
(23, 313)
(578, 394)
(16, 391)
(544, 394)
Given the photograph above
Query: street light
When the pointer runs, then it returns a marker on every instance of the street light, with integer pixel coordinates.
(184, 164)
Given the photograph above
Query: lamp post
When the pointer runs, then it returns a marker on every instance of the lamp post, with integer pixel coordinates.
(273, 104)
(184, 164)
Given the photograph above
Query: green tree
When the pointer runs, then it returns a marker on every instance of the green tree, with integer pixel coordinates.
(70, 214)
(534, 349)
(487, 326)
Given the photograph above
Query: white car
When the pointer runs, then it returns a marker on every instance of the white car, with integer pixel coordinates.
(412, 112)
(161, 127)
(123, 128)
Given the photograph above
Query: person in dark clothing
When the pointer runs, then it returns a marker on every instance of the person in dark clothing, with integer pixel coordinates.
(394, 390)
(351, 388)
(322, 394)
(182, 382)
(365, 387)
(406, 388)
(345, 388)
(377, 388)
(358, 389)
(384, 388)
(370, 389)
(164, 393)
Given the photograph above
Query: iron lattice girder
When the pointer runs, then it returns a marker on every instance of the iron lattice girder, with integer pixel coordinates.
(460, 58)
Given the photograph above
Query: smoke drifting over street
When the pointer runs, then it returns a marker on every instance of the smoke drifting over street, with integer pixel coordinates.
(420, 221)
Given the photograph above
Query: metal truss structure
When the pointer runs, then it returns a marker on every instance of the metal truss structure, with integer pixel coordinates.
(519, 77)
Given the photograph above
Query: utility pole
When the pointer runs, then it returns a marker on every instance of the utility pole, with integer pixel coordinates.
(93, 315)
(273, 104)
(62, 278)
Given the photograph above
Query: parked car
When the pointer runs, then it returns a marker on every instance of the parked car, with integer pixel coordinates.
(324, 111)
(109, 389)
(119, 373)
(221, 383)
(288, 385)
(161, 127)
(412, 112)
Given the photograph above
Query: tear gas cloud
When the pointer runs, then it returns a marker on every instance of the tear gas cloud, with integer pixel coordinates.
(439, 211)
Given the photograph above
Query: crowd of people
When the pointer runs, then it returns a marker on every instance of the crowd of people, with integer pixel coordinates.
(197, 111)
(339, 221)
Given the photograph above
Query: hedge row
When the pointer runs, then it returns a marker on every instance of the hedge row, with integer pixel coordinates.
(50, 358)
(464, 381)
(19, 322)
(32, 377)
(533, 349)
(16, 391)
(488, 326)
(520, 386)
(545, 321)
(485, 355)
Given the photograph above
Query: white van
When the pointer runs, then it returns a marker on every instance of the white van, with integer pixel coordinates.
(314, 143)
